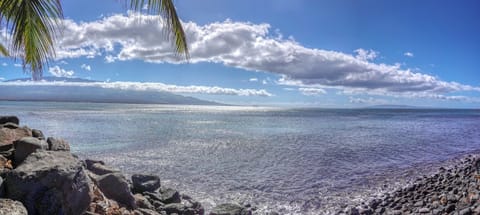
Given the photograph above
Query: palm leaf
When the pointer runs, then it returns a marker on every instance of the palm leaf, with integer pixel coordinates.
(32, 24)
(3, 51)
(173, 26)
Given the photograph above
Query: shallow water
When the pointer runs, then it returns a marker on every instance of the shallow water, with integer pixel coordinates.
(294, 161)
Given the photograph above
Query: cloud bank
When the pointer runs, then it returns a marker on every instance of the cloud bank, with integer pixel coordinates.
(251, 47)
(146, 86)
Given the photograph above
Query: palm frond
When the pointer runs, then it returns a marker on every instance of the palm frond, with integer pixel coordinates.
(3, 51)
(173, 26)
(33, 25)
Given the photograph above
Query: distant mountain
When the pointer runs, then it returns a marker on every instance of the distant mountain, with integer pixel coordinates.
(98, 94)
(393, 107)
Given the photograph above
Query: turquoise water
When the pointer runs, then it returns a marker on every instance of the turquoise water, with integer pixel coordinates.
(295, 161)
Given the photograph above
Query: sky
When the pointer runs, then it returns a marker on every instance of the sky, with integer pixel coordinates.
(344, 53)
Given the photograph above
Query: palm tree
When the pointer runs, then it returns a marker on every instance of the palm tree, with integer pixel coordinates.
(33, 25)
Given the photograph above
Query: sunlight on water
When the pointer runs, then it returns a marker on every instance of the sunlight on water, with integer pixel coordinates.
(294, 161)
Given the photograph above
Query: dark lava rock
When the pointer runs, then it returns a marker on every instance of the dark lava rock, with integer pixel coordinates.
(50, 182)
(145, 183)
(12, 119)
(115, 186)
(26, 146)
(38, 134)
(12, 207)
(57, 144)
(230, 209)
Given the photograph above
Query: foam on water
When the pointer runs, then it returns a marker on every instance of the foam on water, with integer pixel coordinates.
(294, 161)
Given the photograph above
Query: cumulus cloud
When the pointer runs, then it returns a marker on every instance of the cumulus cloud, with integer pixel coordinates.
(408, 54)
(247, 46)
(253, 79)
(86, 67)
(148, 86)
(59, 72)
(311, 91)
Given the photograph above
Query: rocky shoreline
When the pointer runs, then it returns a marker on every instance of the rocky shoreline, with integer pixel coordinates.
(450, 190)
(39, 175)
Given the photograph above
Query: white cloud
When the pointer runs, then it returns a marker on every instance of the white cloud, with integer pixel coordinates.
(408, 54)
(4, 64)
(17, 65)
(369, 100)
(1, 79)
(253, 79)
(247, 46)
(148, 86)
(311, 91)
(86, 67)
(59, 72)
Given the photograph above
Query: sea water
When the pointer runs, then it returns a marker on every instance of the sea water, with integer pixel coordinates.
(293, 161)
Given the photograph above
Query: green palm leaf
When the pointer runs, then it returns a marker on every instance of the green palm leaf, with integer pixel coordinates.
(3, 51)
(173, 26)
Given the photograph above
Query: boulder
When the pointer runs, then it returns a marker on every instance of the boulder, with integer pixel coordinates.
(12, 119)
(145, 183)
(38, 134)
(12, 207)
(143, 202)
(143, 211)
(166, 196)
(10, 125)
(8, 135)
(50, 182)
(57, 144)
(115, 187)
(5, 165)
(230, 209)
(26, 146)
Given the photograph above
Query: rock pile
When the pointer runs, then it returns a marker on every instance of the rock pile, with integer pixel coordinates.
(453, 190)
(39, 175)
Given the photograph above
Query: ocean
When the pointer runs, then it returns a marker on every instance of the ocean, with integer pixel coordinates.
(293, 161)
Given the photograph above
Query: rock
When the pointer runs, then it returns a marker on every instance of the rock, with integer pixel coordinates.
(5, 164)
(145, 183)
(7, 119)
(38, 134)
(10, 125)
(12, 207)
(142, 202)
(424, 210)
(26, 146)
(181, 209)
(100, 169)
(465, 211)
(229, 209)
(143, 211)
(8, 136)
(49, 182)
(115, 186)
(170, 195)
(57, 144)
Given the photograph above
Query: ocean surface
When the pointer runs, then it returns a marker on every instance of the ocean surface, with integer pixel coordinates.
(293, 161)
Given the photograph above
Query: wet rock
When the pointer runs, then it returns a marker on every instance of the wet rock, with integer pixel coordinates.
(11, 119)
(38, 134)
(115, 186)
(26, 146)
(11, 207)
(145, 183)
(50, 182)
(57, 144)
(229, 209)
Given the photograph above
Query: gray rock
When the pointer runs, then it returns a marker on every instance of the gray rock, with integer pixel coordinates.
(100, 169)
(115, 186)
(144, 211)
(38, 134)
(12, 119)
(12, 207)
(26, 146)
(424, 210)
(230, 209)
(50, 182)
(177, 208)
(57, 144)
(10, 125)
(169, 195)
(143, 202)
(8, 136)
(145, 183)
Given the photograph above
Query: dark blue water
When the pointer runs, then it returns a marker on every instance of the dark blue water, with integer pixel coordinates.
(295, 161)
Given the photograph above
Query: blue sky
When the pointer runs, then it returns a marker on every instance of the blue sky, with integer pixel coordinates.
(281, 52)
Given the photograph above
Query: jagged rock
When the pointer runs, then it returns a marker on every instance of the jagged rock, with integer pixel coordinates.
(8, 135)
(50, 182)
(166, 196)
(12, 207)
(115, 186)
(38, 134)
(230, 209)
(57, 144)
(100, 169)
(145, 183)
(143, 202)
(26, 146)
(12, 119)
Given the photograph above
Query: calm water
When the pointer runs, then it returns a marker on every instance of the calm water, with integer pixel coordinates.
(296, 161)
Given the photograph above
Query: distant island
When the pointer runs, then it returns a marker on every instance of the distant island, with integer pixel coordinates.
(394, 107)
(95, 94)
